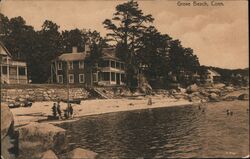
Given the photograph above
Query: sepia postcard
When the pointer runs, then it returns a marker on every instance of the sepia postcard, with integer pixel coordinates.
(102, 79)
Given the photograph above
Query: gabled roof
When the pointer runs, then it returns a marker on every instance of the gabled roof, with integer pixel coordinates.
(109, 53)
(214, 73)
(72, 56)
(4, 50)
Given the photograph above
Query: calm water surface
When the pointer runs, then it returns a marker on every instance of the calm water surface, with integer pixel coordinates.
(183, 131)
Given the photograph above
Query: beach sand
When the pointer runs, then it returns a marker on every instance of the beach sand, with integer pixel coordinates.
(40, 110)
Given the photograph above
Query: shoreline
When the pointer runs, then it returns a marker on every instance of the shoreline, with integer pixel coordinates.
(40, 110)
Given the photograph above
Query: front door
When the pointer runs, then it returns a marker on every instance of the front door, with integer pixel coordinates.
(118, 79)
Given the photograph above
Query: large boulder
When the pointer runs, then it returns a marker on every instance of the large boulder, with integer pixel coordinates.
(36, 138)
(230, 98)
(192, 88)
(7, 131)
(219, 85)
(49, 155)
(80, 153)
(214, 97)
(243, 96)
(146, 88)
(7, 120)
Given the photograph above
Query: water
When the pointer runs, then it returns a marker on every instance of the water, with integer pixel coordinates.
(165, 132)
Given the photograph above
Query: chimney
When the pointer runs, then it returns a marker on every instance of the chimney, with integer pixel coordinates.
(74, 49)
(87, 48)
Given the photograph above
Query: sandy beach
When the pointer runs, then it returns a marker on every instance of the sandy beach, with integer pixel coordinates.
(40, 110)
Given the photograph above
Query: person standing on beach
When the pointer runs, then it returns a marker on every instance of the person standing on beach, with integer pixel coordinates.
(71, 110)
(59, 110)
(54, 111)
(150, 101)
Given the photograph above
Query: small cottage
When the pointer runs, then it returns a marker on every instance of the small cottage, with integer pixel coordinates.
(12, 70)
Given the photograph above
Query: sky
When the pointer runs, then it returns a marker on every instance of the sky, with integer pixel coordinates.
(217, 34)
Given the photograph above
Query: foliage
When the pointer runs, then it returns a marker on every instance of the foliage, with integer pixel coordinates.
(137, 42)
(39, 48)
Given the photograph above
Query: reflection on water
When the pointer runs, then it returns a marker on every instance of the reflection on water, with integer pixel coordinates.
(166, 132)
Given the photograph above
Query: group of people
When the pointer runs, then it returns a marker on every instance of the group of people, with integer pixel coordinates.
(56, 110)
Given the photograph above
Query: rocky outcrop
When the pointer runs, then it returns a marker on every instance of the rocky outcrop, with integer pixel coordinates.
(192, 88)
(36, 138)
(243, 96)
(80, 153)
(214, 97)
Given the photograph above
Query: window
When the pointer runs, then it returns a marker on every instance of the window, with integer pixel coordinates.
(71, 78)
(22, 71)
(112, 76)
(70, 65)
(106, 76)
(4, 69)
(81, 78)
(95, 77)
(81, 64)
(113, 64)
(60, 78)
(59, 65)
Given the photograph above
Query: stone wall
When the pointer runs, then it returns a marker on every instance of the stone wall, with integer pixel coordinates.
(41, 94)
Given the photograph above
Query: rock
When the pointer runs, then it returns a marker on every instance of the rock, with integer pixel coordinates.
(182, 90)
(204, 93)
(230, 98)
(229, 88)
(172, 91)
(243, 96)
(194, 98)
(219, 85)
(7, 130)
(49, 155)
(81, 153)
(214, 97)
(192, 88)
(36, 138)
(214, 90)
(6, 120)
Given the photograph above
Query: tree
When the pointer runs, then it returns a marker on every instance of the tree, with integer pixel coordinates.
(126, 27)
(153, 53)
(72, 38)
(48, 47)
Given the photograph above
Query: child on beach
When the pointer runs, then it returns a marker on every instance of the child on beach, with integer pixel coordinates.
(59, 110)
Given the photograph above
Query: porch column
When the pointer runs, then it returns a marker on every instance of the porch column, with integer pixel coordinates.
(8, 70)
(120, 78)
(109, 77)
(17, 74)
(26, 73)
